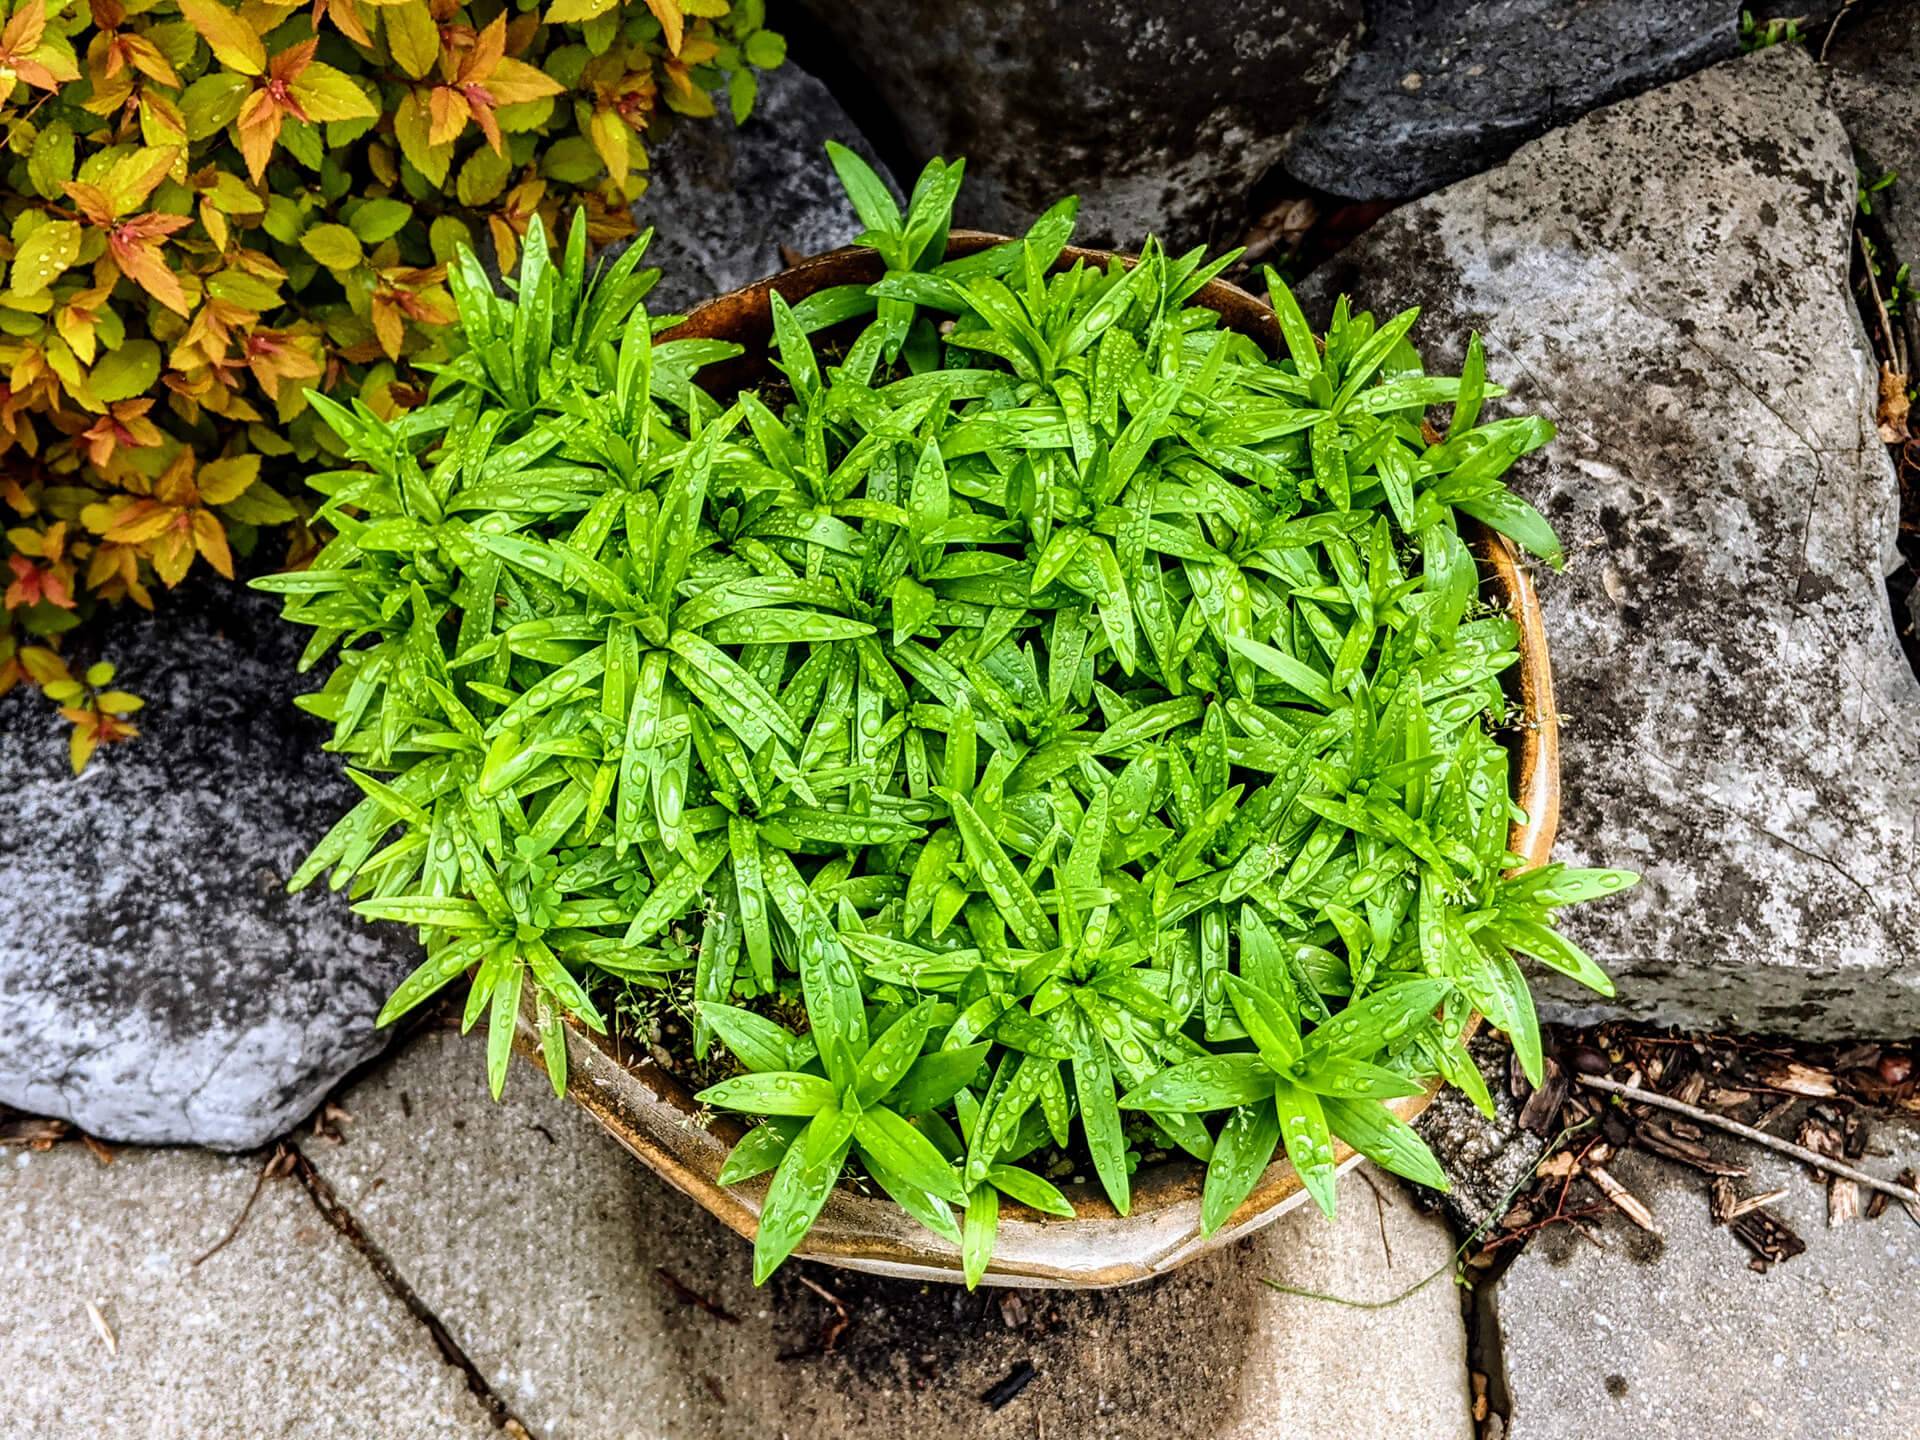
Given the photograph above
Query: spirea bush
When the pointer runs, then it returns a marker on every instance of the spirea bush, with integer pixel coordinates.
(1038, 729)
(209, 210)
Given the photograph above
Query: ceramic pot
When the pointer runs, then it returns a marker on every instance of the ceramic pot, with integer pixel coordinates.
(654, 1116)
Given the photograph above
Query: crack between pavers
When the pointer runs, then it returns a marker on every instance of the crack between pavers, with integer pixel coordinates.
(1487, 1349)
(334, 1211)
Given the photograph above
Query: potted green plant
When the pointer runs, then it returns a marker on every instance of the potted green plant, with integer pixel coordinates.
(937, 748)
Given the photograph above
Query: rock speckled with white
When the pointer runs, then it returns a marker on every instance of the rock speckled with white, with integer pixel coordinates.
(158, 982)
(1667, 280)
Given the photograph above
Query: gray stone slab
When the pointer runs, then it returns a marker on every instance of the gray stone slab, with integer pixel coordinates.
(538, 1243)
(1667, 280)
(1677, 1336)
(285, 1334)
(1443, 90)
(159, 983)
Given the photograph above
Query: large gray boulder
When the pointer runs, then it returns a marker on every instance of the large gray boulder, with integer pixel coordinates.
(1445, 88)
(1667, 279)
(1160, 117)
(158, 982)
(1874, 65)
(725, 199)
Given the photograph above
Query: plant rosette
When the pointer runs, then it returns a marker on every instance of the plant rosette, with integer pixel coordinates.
(1035, 734)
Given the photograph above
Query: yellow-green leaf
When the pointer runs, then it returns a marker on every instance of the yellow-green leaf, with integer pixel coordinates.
(411, 126)
(766, 49)
(328, 94)
(565, 12)
(334, 246)
(234, 42)
(237, 287)
(445, 237)
(126, 372)
(47, 251)
(412, 38)
(50, 163)
(212, 102)
(483, 177)
(379, 220)
(233, 196)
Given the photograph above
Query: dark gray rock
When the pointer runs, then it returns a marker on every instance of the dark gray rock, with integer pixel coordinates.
(157, 981)
(1486, 1160)
(1159, 116)
(1667, 279)
(724, 199)
(1445, 90)
(1875, 83)
(1674, 1335)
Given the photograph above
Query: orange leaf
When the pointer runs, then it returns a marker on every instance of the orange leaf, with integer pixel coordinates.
(389, 326)
(25, 30)
(95, 208)
(148, 60)
(488, 47)
(258, 125)
(447, 112)
(142, 263)
(290, 62)
(346, 18)
(140, 522)
(667, 12)
(172, 556)
(210, 539)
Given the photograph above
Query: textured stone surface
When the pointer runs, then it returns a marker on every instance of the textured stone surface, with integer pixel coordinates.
(1666, 279)
(284, 1333)
(1486, 1161)
(1675, 1336)
(1159, 117)
(724, 199)
(1444, 90)
(158, 982)
(484, 1207)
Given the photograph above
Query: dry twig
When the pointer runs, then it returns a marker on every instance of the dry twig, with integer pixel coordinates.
(1624, 1200)
(279, 1163)
(1746, 1132)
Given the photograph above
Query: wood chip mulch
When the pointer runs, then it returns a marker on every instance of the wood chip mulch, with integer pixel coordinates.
(1825, 1098)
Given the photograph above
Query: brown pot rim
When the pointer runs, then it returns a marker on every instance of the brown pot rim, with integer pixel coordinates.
(654, 1115)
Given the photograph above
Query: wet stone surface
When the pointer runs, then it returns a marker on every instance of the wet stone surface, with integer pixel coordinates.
(158, 982)
(283, 1331)
(1738, 719)
(1161, 119)
(724, 199)
(1440, 91)
(481, 1206)
(1674, 1334)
